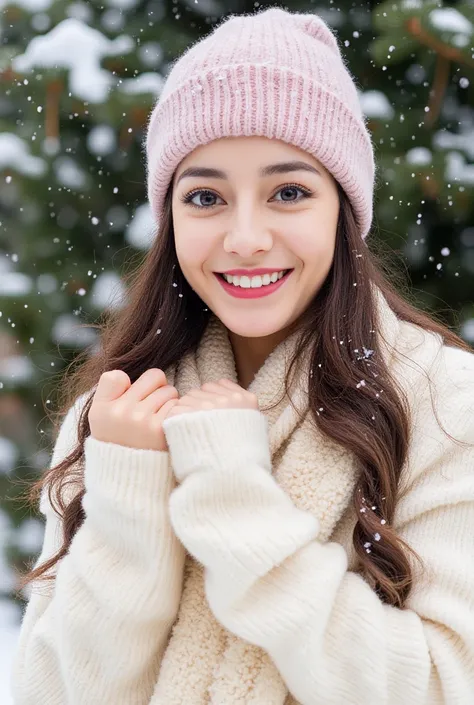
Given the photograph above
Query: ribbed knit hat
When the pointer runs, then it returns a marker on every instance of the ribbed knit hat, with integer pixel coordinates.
(273, 74)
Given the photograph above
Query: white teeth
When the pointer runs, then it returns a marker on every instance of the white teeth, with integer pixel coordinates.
(254, 282)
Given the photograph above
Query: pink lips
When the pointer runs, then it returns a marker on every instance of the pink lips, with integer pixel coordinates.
(250, 293)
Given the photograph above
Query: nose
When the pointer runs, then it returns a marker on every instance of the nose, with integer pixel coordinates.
(247, 235)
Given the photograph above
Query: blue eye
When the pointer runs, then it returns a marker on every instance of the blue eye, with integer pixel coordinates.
(189, 197)
(293, 187)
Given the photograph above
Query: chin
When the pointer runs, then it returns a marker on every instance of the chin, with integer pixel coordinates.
(254, 325)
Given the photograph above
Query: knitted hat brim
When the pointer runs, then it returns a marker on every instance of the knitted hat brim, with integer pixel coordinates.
(200, 111)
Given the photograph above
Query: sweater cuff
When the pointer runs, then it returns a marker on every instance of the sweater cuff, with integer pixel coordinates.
(128, 476)
(222, 439)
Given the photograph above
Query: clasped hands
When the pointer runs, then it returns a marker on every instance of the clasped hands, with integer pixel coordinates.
(223, 394)
(132, 414)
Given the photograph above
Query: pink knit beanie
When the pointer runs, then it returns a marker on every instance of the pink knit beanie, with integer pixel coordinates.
(273, 74)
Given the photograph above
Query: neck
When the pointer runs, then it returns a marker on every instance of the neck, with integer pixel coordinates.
(251, 353)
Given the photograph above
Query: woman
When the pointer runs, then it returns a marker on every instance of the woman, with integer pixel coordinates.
(267, 497)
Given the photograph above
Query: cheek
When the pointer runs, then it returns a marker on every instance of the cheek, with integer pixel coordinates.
(313, 236)
(193, 247)
(313, 247)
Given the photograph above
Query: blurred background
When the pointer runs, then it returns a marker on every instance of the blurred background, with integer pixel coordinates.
(77, 83)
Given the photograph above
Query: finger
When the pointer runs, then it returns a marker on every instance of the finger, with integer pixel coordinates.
(165, 410)
(154, 401)
(177, 409)
(237, 391)
(232, 389)
(201, 394)
(112, 384)
(209, 400)
(231, 385)
(202, 401)
(147, 383)
(212, 387)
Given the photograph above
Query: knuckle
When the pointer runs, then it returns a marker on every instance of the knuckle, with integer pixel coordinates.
(112, 374)
(156, 374)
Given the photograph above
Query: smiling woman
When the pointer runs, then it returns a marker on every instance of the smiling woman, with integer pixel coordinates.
(253, 496)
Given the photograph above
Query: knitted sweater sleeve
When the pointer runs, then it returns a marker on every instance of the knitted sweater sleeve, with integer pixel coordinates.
(272, 583)
(97, 634)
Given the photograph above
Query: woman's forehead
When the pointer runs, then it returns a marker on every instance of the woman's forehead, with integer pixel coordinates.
(253, 155)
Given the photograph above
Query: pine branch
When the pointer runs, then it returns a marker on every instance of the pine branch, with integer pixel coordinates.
(414, 27)
(53, 95)
(438, 90)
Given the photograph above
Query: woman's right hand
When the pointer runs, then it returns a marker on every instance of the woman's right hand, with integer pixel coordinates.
(132, 414)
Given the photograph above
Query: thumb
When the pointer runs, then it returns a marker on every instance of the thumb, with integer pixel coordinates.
(112, 385)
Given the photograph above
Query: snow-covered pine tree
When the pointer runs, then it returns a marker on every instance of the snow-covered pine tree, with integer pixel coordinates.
(77, 82)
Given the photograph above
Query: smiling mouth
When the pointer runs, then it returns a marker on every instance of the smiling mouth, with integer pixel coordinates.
(246, 288)
(253, 282)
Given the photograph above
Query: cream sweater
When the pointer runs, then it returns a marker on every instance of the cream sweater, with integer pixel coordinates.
(223, 572)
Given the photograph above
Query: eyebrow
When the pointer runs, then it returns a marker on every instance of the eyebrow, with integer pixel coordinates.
(280, 168)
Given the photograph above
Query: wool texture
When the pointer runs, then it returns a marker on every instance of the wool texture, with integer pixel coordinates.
(272, 74)
(223, 572)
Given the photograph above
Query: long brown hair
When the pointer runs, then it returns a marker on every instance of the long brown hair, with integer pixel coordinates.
(160, 299)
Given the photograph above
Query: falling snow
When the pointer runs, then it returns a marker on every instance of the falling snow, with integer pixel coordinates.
(73, 200)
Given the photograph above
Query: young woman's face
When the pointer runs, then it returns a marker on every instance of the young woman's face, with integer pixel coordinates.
(243, 215)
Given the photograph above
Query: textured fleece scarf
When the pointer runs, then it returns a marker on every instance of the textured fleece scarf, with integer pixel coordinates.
(204, 663)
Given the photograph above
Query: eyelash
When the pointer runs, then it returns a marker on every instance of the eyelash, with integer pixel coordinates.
(187, 198)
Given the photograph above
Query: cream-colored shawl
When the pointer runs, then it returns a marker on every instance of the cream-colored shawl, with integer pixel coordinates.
(203, 662)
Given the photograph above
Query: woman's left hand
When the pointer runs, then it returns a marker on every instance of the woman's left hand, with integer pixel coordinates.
(223, 394)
